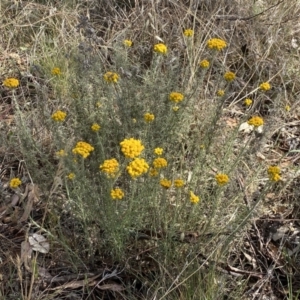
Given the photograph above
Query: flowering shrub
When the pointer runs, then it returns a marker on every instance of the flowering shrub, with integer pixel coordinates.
(265, 86)
(176, 97)
(204, 64)
(110, 167)
(95, 127)
(229, 76)
(222, 179)
(131, 148)
(274, 173)
(248, 102)
(149, 117)
(59, 116)
(158, 151)
(15, 182)
(159, 163)
(56, 71)
(165, 183)
(127, 43)
(188, 32)
(117, 194)
(193, 198)
(160, 48)
(137, 167)
(216, 44)
(11, 83)
(256, 121)
(84, 149)
(111, 77)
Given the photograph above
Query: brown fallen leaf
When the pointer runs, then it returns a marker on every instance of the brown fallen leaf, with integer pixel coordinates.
(26, 252)
(33, 197)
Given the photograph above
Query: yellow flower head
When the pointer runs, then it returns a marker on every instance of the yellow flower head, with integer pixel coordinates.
(287, 108)
(71, 176)
(229, 76)
(98, 104)
(188, 32)
(110, 167)
(111, 77)
(127, 43)
(61, 153)
(216, 44)
(222, 179)
(158, 151)
(175, 108)
(159, 163)
(256, 121)
(204, 64)
(176, 97)
(153, 172)
(165, 183)
(131, 148)
(160, 48)
(56, 71)
(14, 183)
(117, 194)
(59, 116)
(265, 86)
(95, 127)
(193, 198)
(178, 183)
(84, 149)
(274, 173)
(11, 83)
(137, 167)
(248, 102)
(220, 93)
(149, 117)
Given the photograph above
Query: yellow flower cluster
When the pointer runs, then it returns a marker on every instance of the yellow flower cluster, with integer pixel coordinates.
(287, 108)
(274, 173)
(137, 167)
(56, 71)
(158, 151)
(159, 163)
(95, 127)
(61, 153)
(15, 182)
(176, 97)
(160, 48)
(149, 117)
(71, 176)
(11, 83)
(153, 172)
(178, 183)
(229, 76)
(59, 116)
(84, 149)
(222, 179)
(110, 167)
(204, 64)
(188, 32)
(165, 183)
(131, 148)
(127, 43)
(265, 86)
(193, 198)
(175, 108)
(220, 93)
(216, 44)
(248, 102)
(256, 121)
(117, 193)
(111, 77)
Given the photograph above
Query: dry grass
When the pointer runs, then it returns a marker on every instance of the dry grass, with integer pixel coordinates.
(240, 242)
